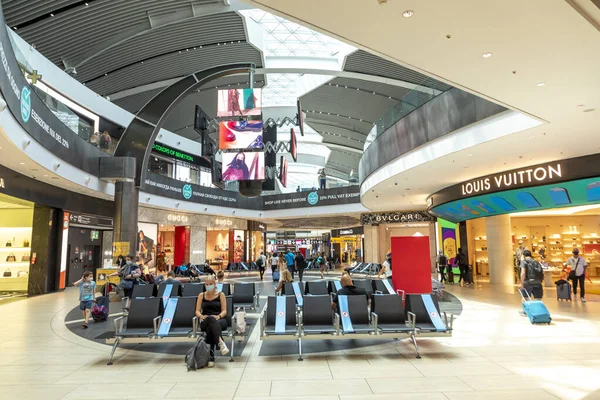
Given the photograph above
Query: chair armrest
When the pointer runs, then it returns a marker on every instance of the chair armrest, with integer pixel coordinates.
(124, 303)
(449, 324)
(156, 322)
(375, 321)
(233, 324)
(300, 322)
(262, 324)
(118, 325)
(378, 292)
(194, 326)
(256, 300)
(412, 320)
(336, 323)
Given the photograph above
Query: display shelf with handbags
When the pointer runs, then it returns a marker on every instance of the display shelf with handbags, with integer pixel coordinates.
(7, 273)
(11, 258)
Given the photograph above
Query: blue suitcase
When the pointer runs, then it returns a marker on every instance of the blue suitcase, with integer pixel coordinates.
(535, 310)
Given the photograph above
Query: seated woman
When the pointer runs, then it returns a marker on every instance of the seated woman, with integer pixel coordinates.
(220, 277)
(284, 277)
(211, 308)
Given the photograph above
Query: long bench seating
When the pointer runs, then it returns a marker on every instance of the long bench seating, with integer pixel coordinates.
(388, 318)
(384, 286)
(294, 289)
(150, 320)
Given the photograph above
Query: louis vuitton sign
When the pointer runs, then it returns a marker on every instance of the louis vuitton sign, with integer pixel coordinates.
(400, 217)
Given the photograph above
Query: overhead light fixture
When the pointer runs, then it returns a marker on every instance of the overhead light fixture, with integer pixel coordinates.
(22, 163)
(541, 84)
(486, 55)
(408, 13)
(52, 15)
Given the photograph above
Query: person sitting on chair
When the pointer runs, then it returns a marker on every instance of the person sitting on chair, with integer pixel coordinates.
(348, 289)
(211, 309)
(284, 277)
(170, 279)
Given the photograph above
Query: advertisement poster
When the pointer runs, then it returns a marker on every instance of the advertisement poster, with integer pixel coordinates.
(238, 247)
(449, 239)
(243, 166)
(238, 102)
(240, 135)
(146, 243)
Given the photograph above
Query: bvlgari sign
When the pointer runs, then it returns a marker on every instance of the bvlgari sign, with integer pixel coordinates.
(503, 181)
(401, 217)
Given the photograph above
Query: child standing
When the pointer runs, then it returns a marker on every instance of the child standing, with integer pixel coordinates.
(87, 288)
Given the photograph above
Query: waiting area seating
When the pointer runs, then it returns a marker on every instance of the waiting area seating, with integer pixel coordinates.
(388, 316)
(171, 317)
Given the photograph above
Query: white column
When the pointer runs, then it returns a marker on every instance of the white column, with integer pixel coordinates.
(500, 253)
(371, 243)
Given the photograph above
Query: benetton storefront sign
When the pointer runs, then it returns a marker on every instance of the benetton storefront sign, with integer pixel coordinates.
(174, 153)
(536, 175)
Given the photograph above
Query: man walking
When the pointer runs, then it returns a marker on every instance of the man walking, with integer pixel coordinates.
(290, 259)
(532, 276)
(300, 264)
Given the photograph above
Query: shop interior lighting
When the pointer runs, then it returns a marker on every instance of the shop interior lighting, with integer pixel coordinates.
(541, 84)
(408, 13)
(486, 55)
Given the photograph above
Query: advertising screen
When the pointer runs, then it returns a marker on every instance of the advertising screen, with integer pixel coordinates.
(238, 102)
(293, 145)
(240, 135)
(243, 166)
(284, 171)
(300, 117)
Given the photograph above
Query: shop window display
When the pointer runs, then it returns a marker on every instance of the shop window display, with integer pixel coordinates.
(15, 245)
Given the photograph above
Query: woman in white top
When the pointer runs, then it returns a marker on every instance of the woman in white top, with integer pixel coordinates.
(274, 262)
(386, 267)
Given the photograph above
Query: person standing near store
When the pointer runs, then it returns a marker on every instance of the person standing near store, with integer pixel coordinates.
(274, 262)
(578, 267)
(532, 276)
(386, 267)
(323, 179)
(261, 263)
(463, 265)
(300, 264)
(290, 259)
(129, 273)
(442, 262)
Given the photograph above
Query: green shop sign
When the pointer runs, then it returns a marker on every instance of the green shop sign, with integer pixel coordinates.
(170, 152)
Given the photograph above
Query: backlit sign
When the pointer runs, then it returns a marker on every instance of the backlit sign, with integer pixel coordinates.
(174, 153)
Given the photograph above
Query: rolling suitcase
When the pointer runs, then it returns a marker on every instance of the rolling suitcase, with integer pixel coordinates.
(535, 310)
(563, 291)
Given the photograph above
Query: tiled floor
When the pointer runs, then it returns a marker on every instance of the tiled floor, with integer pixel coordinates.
(494, 354)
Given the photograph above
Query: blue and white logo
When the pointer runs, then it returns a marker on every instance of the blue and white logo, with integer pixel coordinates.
(25, 104)
(187, 191)
(313, 198)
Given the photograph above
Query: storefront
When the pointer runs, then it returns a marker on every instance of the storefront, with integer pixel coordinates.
(348, 244)
(549, 209)
(16, 221)
(257, 235)
(168, 239)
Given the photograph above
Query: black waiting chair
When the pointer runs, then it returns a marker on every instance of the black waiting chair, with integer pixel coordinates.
(364, 284)
(316, 288)
(317, 317)
(178, 318)
(143, 321)
(294, 289)
(353, 314)
(245, 295)
(280, 316)
(389, 317)
(384, 286)
(334, 286)
(427, 314)
(175, 290)
(144, 291)
(192, 289)
(225, 288)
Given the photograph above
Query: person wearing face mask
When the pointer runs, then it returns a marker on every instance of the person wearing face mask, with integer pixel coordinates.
(128, 273)
(211, 309)
(578, 266)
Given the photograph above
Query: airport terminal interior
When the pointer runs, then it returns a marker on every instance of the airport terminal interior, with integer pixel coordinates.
(321, 200)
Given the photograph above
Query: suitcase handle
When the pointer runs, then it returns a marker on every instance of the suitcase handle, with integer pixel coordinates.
(523, 297)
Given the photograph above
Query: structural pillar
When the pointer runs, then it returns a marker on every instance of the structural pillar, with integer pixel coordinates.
(126, 214)
(45, 251)
(371, 250)
(500, 253)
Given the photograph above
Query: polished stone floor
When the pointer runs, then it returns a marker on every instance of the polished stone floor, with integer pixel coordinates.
(494, 354)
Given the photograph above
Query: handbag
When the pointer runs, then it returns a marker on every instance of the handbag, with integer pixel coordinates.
(25, 243)
(7, 273)
(573, 273)
(25, 258)
(11, 258)
(8, 244)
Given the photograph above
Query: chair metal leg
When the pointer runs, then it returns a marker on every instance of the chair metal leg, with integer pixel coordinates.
(232, 347)
(300, 349)
(414, 339)
(112, 352)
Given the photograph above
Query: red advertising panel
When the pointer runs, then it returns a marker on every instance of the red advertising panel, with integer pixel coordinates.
(411, 273)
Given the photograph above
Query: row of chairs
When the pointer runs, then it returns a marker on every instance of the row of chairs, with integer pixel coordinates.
(327, 287)
(171, 319)
(243, 294)
(389, 317)
(364, 268)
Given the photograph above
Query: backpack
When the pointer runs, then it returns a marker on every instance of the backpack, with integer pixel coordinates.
(259, 262)
(100, 312)
(443, 260)
(320, 260)
(535, 272)
(197, 357)
(240, 320)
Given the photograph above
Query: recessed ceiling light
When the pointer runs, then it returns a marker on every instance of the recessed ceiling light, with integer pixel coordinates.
(469, 155)
(46, 175)
(52, 15)
(541, 84)
(22, 163)
(531, 137)
(408, 13)
(486, 55)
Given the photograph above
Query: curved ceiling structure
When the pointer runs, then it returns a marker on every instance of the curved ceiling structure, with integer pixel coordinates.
(128, 51)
